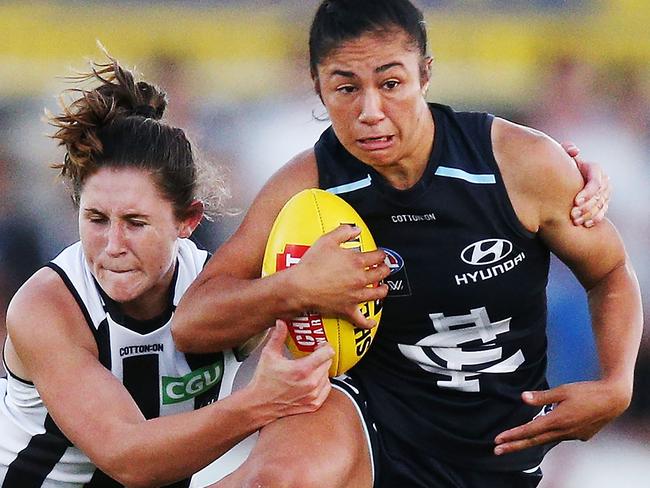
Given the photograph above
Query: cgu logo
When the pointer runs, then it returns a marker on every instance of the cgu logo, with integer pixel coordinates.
(487, 251)
(176, 390)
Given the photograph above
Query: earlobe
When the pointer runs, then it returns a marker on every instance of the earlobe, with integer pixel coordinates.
(316, 82)
(193, 218)
(426, 75)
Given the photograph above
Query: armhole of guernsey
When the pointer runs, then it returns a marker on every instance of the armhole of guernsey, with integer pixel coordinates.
(505, 204)
(73, 291)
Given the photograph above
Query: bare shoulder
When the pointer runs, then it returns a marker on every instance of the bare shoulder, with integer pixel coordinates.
(246, 246)
(298, 173)
(42, 316)
(540, 177)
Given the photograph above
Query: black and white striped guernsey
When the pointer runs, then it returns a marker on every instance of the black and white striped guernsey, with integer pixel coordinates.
(141, 354)
(463, 327)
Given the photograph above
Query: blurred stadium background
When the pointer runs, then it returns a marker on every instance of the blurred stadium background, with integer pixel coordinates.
(237, 77)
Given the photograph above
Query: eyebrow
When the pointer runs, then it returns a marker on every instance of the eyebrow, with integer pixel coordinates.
(132, 215)
(380, 69)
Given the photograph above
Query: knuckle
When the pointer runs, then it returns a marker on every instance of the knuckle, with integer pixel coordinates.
(300, 374)
(358, 281)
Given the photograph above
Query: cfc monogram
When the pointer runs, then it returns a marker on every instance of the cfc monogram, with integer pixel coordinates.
(443, 352)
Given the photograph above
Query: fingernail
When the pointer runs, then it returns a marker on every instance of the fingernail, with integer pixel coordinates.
(581, 200)
(576, 212)
(528, 396)
(589, 223)
(498, 451)
(579, 221)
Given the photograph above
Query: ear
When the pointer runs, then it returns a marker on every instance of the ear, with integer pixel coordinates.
(193, 217)
(316, 82)
(425, 74)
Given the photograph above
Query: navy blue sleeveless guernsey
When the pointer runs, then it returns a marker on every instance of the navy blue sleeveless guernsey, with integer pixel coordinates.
(463, 327)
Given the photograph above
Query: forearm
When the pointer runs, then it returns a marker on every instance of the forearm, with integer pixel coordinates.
(161, 451)
(223, 312)
(615, 305)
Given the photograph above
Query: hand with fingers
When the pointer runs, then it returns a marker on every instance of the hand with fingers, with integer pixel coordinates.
(580, 411)
(334, 281)
(286, 386)
(592, 202)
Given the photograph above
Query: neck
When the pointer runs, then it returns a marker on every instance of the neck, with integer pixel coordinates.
(406, 172)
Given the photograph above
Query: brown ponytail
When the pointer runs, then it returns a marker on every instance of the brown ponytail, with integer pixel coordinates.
(118, 124)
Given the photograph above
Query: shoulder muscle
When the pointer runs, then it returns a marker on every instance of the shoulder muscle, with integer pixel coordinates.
(246, 246)
(540, 177)
(42, 316)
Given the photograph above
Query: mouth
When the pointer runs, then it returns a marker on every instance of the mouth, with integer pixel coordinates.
(375, 143)
(118, 271)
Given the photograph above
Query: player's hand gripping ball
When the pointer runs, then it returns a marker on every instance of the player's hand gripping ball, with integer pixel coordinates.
(305, 217)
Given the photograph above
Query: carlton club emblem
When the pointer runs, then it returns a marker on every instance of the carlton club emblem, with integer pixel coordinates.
(487, 251)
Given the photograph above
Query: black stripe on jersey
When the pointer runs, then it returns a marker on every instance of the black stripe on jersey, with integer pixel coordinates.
(141, 379)
(196, 361)
(101, 333)
(180, 484)
(74, 293)
(103, 340)
(102, 480)
(34, 463)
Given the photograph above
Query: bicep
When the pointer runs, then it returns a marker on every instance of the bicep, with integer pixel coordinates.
(542, 181)
(591, 253)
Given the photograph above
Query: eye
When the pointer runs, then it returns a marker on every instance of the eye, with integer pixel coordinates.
(97, 219)
(346, 89)
(137, 223)
(391, 84)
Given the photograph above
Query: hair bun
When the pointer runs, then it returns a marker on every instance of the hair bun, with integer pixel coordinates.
(146, 111)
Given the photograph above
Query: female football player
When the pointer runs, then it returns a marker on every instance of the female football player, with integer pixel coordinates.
(453, 389)
(97, 392)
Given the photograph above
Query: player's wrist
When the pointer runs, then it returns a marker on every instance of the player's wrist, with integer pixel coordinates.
(256, 410)
(619, 392)
(296, 296)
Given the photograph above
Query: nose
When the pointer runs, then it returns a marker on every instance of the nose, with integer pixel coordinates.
(115, 241)
(371, 108)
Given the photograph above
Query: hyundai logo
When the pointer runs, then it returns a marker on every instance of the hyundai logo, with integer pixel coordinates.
(393, 260)
(487, 251)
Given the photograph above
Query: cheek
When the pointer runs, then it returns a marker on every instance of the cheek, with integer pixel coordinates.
(158, 254)
(91, 242)
(343, 122)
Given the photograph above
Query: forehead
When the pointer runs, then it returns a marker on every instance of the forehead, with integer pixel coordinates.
(116, 187)
(371, 50)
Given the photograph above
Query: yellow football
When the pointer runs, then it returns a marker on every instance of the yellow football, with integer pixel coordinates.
(303, 219)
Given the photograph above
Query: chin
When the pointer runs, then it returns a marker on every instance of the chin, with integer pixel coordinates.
(122, 296)
(120, 292)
